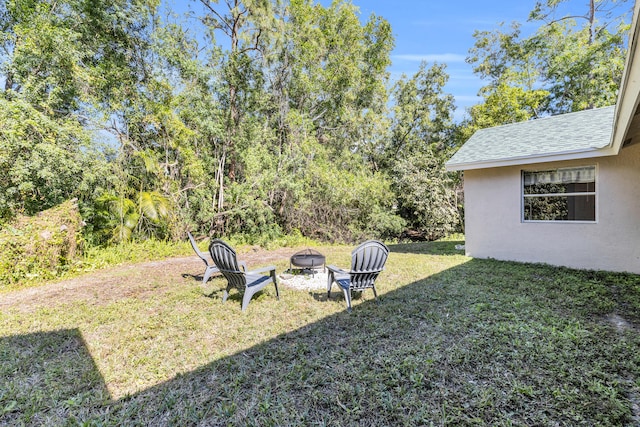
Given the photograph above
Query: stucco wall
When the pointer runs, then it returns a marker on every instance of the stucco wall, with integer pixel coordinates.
(494, 228)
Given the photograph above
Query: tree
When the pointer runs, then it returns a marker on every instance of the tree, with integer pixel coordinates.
(337, 73)
(583, 63)
(512, 93)
(570, 63)
(327, 79)
(504, 104)
(243, 23)
(63, 56)
(65, 65)
(427, 195)
(423, 113)
(240, 132)
(43, 161)
(422, 139)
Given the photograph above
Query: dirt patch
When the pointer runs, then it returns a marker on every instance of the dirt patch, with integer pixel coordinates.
(142, 280)
(620, 323)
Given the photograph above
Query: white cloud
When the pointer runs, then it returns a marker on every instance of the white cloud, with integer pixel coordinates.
(438, 57)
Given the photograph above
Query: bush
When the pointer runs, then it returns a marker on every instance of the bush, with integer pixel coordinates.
(42, 246)
(427, 196)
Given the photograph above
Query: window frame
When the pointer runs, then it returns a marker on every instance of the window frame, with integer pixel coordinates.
(524, 196)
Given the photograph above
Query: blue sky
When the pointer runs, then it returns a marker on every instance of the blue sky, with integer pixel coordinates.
(442, 31)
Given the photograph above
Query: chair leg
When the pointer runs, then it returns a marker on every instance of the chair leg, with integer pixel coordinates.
(375, 294)
(248, 293)
(347, 296)
(275, 283)
(225, 295)
(207, 274)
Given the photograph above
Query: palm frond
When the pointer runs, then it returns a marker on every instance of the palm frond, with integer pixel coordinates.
(121, 233)
(153, 205)
(147, 206)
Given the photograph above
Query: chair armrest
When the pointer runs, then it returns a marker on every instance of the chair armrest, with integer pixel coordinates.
(262, 270)
(243, 265)
(338, 270)
(333, 270)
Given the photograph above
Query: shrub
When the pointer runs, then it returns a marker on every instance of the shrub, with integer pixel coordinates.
(41, 246)
(427, 196)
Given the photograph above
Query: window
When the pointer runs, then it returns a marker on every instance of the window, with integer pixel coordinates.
(567, 194)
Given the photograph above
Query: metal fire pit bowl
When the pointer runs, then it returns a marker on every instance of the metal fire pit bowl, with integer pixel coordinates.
(307, 259)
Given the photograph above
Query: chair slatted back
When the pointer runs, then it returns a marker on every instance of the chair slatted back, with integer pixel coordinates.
(367, 261)
(226, 260)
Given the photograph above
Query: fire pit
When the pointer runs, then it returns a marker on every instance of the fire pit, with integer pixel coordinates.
(307, 259)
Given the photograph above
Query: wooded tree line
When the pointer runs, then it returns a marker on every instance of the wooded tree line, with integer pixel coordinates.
(265, 117)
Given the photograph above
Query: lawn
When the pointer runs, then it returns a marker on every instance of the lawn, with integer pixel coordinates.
(453, 341)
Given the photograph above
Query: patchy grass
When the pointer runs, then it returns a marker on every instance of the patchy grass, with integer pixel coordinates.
(453, 341)
(96, 258)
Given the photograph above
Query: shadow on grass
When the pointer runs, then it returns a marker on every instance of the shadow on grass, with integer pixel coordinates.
(45, 374)
(483, 343)
(199, 277)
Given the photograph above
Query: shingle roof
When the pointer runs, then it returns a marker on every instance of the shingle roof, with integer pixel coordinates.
(566, 133)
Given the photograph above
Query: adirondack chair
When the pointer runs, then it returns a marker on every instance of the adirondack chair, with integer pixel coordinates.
(211, 268)
(367, 261)
(250, 282)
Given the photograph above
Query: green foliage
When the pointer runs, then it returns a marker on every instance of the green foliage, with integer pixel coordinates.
(275, 120)
(117, 219)
(63, 55)
(504, 104)
(427, 195)
(570, 63)
(309, 192)
(40, 247)
(68, 67)
(284, 132)
(338, 72)
(583, 66)
(422, 114)
(272, 119)
(44, 161)
(422, 139)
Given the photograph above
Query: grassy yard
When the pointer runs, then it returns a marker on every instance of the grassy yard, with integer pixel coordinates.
(453, 341)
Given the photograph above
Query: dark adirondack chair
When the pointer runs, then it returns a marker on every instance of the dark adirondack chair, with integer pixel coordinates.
(249, 282)
(367, 261)
(211, 268)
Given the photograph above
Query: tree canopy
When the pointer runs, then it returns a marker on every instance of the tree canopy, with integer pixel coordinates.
(570, 63)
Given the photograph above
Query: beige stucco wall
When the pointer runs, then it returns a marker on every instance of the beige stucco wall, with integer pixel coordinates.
(494, 228)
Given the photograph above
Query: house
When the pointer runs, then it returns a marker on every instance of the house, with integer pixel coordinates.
(561, 190)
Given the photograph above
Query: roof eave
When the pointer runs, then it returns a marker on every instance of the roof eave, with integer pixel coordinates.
(628, 96)
(528, 160)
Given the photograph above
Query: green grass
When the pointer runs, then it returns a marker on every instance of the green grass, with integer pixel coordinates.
(453, 341)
